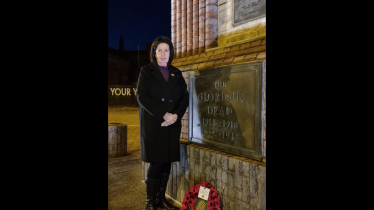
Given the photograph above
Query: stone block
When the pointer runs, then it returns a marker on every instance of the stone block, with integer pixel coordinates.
(238, 204)
(202, 178)
(231, 204)
(206, 156)
(218, 160)
(196, 169)
(244, 205)
(245, 168)
(238, 195)
(225, 163)
(191, 157)
(253, 171)
(238, 173)
(213, 172)
(213, 158)
(224, 178)
(262, 174)
(252, 203)
(231, 164)
(231, 179)
(207, 171)
(224, 189)
(196, 153)
(219, 179)
(201, 160)
(262, 196)
(245, 195)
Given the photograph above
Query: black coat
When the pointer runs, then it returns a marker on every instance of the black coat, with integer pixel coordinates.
(156, 97)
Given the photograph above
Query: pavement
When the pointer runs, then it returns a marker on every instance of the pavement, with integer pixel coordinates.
(126, 190)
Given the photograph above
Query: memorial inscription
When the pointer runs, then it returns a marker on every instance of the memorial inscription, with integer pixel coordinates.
(225, 109)
(247, 10)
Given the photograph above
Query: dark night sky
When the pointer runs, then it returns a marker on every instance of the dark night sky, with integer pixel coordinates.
(138, 22)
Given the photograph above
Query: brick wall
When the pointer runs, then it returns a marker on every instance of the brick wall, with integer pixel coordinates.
(240, 182)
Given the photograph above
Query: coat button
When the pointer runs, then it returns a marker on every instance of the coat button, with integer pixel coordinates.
(162, 99)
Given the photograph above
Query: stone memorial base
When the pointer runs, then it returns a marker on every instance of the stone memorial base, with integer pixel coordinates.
(117, 140)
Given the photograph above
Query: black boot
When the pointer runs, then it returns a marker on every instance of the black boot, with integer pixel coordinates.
(161, 199)
(151, 186)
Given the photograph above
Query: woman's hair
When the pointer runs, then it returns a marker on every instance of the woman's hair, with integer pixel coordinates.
(155, 43)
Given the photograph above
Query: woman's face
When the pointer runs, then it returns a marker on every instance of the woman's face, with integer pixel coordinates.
(162, 54)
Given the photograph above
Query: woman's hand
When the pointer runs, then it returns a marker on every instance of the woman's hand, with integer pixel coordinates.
(169, 119)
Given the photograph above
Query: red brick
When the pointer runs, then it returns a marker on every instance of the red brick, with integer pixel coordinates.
(211, 35)
(201, 45)
(211, 15)
(211, 8)
(202, 4)
(201, 31)
(250, 57)
(228, 61)
(261, 55)
(195, 1)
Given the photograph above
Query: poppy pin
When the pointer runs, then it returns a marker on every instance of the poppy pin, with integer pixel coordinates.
(172, 75)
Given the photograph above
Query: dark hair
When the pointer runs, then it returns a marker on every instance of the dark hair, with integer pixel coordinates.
(155, 43)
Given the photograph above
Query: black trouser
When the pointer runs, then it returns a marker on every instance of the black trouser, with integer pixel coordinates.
(156, 169)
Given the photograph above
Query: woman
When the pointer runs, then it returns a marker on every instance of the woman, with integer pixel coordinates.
(163, 99)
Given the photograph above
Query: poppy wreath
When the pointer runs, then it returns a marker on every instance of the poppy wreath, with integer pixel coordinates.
(190, 198)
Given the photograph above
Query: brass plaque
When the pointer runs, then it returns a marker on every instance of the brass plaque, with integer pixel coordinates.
(247, 10)
(225, 109)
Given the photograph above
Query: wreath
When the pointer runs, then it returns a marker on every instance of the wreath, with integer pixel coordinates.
(190, 198)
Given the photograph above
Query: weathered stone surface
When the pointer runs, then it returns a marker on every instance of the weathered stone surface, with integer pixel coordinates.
(238, 174)
(201, 159)
(191, 157)
(245, 168)
(196, 153)
(202, 178)
(253, 171)
(245, 195)
(252, 203)
(262, 174)
(219, 179)
(231, 164)
(218, 160)
(262, 196)
(244, 205)
(225, 163)
(224, 189)
(224, 176)
(231, 178)
(207, 171)
(213, 158)
(197, 173)
(206, 156)
(213, 172)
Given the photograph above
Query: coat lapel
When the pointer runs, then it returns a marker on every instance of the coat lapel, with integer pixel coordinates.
(157, 74)
(173, 77)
